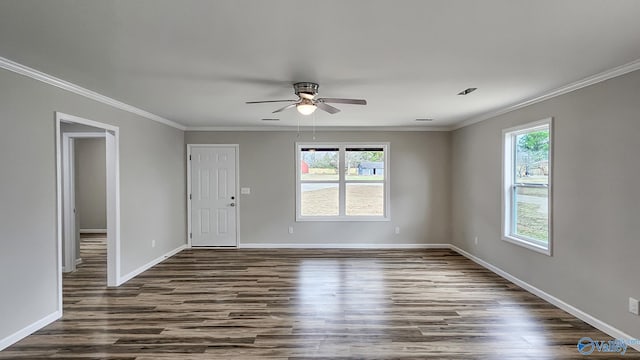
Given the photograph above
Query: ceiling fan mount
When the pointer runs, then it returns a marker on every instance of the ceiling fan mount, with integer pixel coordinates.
(307, 102)
(305, 89)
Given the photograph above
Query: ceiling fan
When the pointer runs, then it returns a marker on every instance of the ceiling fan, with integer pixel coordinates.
(307, 102)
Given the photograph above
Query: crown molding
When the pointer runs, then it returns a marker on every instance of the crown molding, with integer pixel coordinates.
(318, 129)
(590, 80)
(76, 89)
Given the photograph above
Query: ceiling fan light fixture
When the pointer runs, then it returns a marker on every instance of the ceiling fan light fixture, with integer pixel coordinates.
(308, 102)
(306, 107)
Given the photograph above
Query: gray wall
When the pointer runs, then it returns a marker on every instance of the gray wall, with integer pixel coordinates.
(596, 201)
(91, 184)
(420, 170)
(152, 192)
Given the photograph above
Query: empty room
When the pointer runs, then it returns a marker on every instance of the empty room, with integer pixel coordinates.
(247, 179)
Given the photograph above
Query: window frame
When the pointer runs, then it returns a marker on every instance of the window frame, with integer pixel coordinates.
(509, 187)
(342, 181)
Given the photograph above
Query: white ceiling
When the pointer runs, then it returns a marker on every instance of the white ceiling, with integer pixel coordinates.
(197, 62)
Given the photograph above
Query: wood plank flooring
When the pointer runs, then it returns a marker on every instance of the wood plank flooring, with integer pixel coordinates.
(297, 304)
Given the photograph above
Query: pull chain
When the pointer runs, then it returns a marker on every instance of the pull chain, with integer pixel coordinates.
(313, 122)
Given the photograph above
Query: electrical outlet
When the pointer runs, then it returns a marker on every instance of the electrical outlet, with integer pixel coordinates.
(290, 229)
(476, 240)
(153, 243)
(633, 306)
(397, 229)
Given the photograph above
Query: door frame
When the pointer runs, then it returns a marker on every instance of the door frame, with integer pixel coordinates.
(237, 208)
(69, 194)
(112, 141)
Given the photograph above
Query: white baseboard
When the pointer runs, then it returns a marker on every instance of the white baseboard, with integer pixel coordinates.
(598, 324)
(150, 264)
(19, 335)
(93, 231)
(341, 246)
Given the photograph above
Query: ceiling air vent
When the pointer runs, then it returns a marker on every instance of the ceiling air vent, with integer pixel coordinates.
(467, 91)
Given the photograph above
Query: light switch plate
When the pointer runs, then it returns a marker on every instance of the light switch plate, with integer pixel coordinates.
(245, 191)
(633, 306)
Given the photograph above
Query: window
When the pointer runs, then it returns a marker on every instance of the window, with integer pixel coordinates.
(342, 182)
(526, 209)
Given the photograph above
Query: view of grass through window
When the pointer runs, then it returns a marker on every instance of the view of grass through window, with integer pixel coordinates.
(319, 197)
(363, 180)
(531, 185)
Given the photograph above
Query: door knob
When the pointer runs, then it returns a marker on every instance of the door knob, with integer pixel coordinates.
(232, 204)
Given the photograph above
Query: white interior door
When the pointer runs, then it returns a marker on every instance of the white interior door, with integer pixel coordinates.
(213, 196)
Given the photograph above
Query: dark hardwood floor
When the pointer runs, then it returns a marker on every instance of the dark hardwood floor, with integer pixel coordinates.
(294, 304)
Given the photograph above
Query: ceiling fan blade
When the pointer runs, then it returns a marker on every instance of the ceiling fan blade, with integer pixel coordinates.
(285, 108)
(343, 101)
(328, 108)
(268, 101)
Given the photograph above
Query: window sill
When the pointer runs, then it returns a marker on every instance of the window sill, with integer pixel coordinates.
(343, 219)
(528, 245)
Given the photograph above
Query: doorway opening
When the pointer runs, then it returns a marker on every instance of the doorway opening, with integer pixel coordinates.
(70, 132)
(83, 188)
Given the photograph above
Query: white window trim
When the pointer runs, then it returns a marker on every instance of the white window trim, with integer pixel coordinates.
(342, 182)
(507, 182)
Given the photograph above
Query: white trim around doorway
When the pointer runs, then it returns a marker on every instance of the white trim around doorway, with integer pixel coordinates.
(112, 140)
